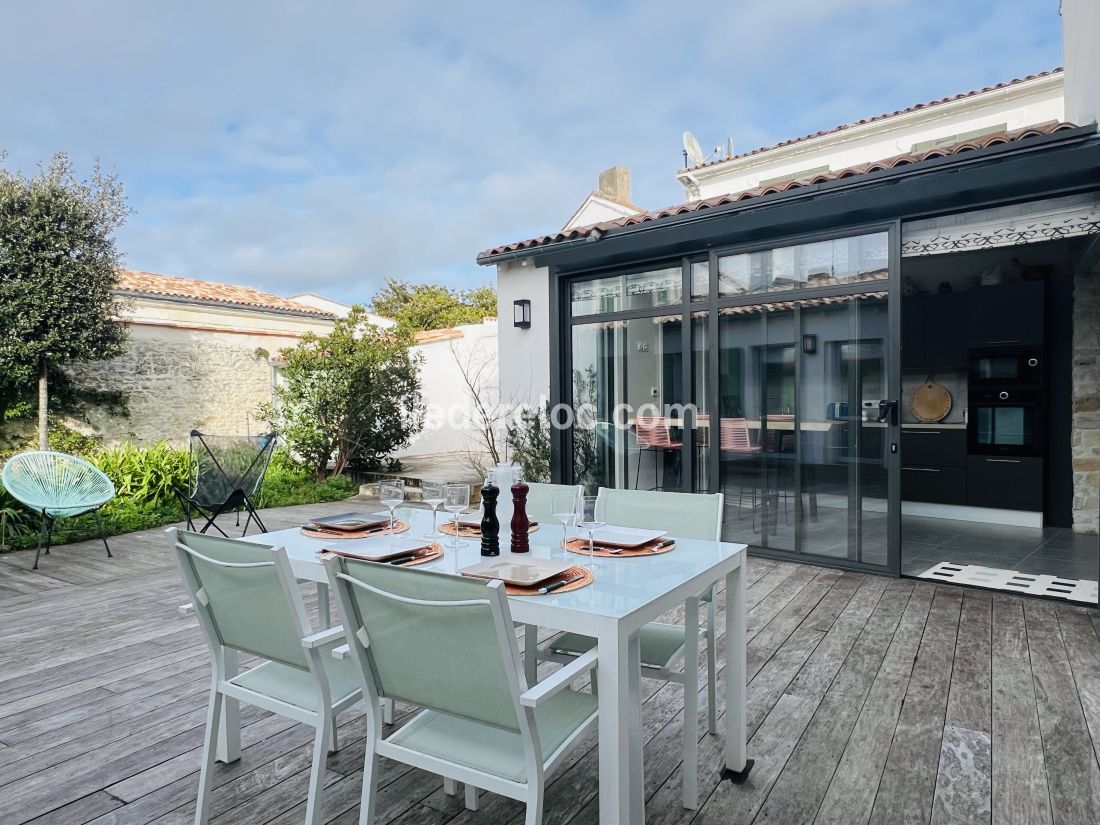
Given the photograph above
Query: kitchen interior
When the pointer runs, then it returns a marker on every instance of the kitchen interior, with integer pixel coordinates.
(987, 411)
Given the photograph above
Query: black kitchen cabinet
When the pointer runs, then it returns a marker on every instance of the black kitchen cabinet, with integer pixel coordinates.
(1006, 315)
(933, 465)
(934, 331)
(937, 485)
(1004, 483)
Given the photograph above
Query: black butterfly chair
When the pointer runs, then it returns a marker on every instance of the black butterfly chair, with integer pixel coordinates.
(226, 473)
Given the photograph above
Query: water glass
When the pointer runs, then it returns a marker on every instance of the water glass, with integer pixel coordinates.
(565, 511)
(391, 493)
(456, 499)
(432, 494)
(590, 522)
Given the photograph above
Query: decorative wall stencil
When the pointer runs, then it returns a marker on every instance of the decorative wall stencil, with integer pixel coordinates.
(1047, 220)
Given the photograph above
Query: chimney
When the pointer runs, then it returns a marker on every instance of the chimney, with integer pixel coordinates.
(1080, 34)
(615, 183)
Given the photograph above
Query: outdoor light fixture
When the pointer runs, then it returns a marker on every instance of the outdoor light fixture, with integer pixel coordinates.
(521, 314)
(809, 344)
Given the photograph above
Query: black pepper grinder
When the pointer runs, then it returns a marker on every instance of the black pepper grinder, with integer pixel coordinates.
(490, 525)
(521, 542)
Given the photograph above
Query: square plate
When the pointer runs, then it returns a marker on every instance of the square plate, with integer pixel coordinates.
(379, 548)
(525, 573)
(470, 520)
(611, 536)
(350, 522)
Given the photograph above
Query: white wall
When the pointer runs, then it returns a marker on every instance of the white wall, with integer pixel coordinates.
(1024, 104)
(1081, 31)
(445, 392)
(524, 353)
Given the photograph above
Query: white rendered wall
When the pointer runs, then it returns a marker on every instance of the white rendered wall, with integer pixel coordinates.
(449, 401)
(524, 353)
(1025, 104)
(1081, 32)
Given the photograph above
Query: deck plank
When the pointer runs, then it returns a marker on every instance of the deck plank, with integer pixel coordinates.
(870, 699)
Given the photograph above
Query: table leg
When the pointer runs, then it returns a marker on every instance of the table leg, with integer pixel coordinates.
(324, 610)
(690, 732)
(736, 666)
(622, 798)
(531, 654)
(229, 728)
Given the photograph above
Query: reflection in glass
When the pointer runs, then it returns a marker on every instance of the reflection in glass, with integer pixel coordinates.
(636, 290)
(819, 264)
(637, 367)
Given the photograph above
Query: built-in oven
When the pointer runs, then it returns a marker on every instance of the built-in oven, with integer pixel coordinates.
(1005, 421)
(1014, 368)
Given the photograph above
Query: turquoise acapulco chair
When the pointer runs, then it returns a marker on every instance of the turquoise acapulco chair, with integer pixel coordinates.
(57, 485)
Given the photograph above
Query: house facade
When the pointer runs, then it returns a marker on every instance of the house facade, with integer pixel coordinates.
(886, 335)
(201, 356)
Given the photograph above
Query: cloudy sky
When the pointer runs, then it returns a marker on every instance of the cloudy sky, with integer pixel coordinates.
(324, 145)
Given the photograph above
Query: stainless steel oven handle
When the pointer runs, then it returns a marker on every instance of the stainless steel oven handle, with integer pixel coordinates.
(922, 469)
(1016, 341)
(922, 432)
(1003, 460)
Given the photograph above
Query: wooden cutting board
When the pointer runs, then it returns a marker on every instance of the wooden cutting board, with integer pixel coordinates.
(930, 402)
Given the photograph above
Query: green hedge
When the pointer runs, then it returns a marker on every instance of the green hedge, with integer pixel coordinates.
(145, 479)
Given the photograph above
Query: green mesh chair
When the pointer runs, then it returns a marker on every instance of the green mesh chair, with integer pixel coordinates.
(57, 485)
(446, 644)
(247, 599)
(688, 516)
(541, 497)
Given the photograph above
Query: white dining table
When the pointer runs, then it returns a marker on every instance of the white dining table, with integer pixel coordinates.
(626, 594)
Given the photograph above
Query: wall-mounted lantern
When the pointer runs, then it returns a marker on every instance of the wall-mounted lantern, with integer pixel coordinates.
(809, 344)
(521, 314)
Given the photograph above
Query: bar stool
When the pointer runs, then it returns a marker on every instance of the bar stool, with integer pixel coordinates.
(652, 434)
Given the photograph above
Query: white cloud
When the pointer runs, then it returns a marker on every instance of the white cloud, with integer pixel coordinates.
(326, 145)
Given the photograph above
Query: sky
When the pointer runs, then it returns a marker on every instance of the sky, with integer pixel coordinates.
(323, 145)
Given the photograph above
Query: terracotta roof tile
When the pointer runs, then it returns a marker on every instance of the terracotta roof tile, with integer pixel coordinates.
(786, 186)
(134, 282)
(844, 127)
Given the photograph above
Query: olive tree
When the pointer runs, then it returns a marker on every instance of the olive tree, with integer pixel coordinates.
(349, 398)
(58, 265)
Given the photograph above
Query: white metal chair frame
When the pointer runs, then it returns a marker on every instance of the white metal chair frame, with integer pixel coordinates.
(668, 671)
(525, 699)
(222, 687)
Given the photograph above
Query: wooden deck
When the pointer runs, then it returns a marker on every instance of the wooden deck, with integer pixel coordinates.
(870, 700)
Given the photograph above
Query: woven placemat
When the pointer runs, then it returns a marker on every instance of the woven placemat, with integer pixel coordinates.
(467, 532)
(399, 526)
(654, 548)
(584, 576)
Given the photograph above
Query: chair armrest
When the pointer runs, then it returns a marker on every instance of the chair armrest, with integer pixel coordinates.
(341, 652)
(333, 634)
(559, 680)
(186, 609)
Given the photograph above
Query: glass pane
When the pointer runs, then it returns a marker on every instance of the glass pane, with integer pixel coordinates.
(655, 288)
(756, 356)
(627, 375)
(842, 450)
(700, 280)
(597, 296)
(825, 263)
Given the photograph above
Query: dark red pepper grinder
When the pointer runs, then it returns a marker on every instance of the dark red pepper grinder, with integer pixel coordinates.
(521, 543)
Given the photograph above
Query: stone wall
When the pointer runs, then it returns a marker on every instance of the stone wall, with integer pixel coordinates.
(179, 380)
(1086, 402)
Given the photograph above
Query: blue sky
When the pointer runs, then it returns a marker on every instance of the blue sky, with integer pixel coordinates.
(324, 145)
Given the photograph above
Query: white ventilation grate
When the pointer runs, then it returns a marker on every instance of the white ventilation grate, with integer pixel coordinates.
(1012, 581)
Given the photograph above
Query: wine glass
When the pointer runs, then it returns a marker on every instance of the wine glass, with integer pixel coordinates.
(391, 493)
(565, 511)
(432, 494)
(590, 522)
(456, 499)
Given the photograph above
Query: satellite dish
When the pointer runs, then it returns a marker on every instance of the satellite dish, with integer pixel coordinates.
(692, 150)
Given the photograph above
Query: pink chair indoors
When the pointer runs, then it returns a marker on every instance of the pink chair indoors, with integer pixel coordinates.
(653, 434)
